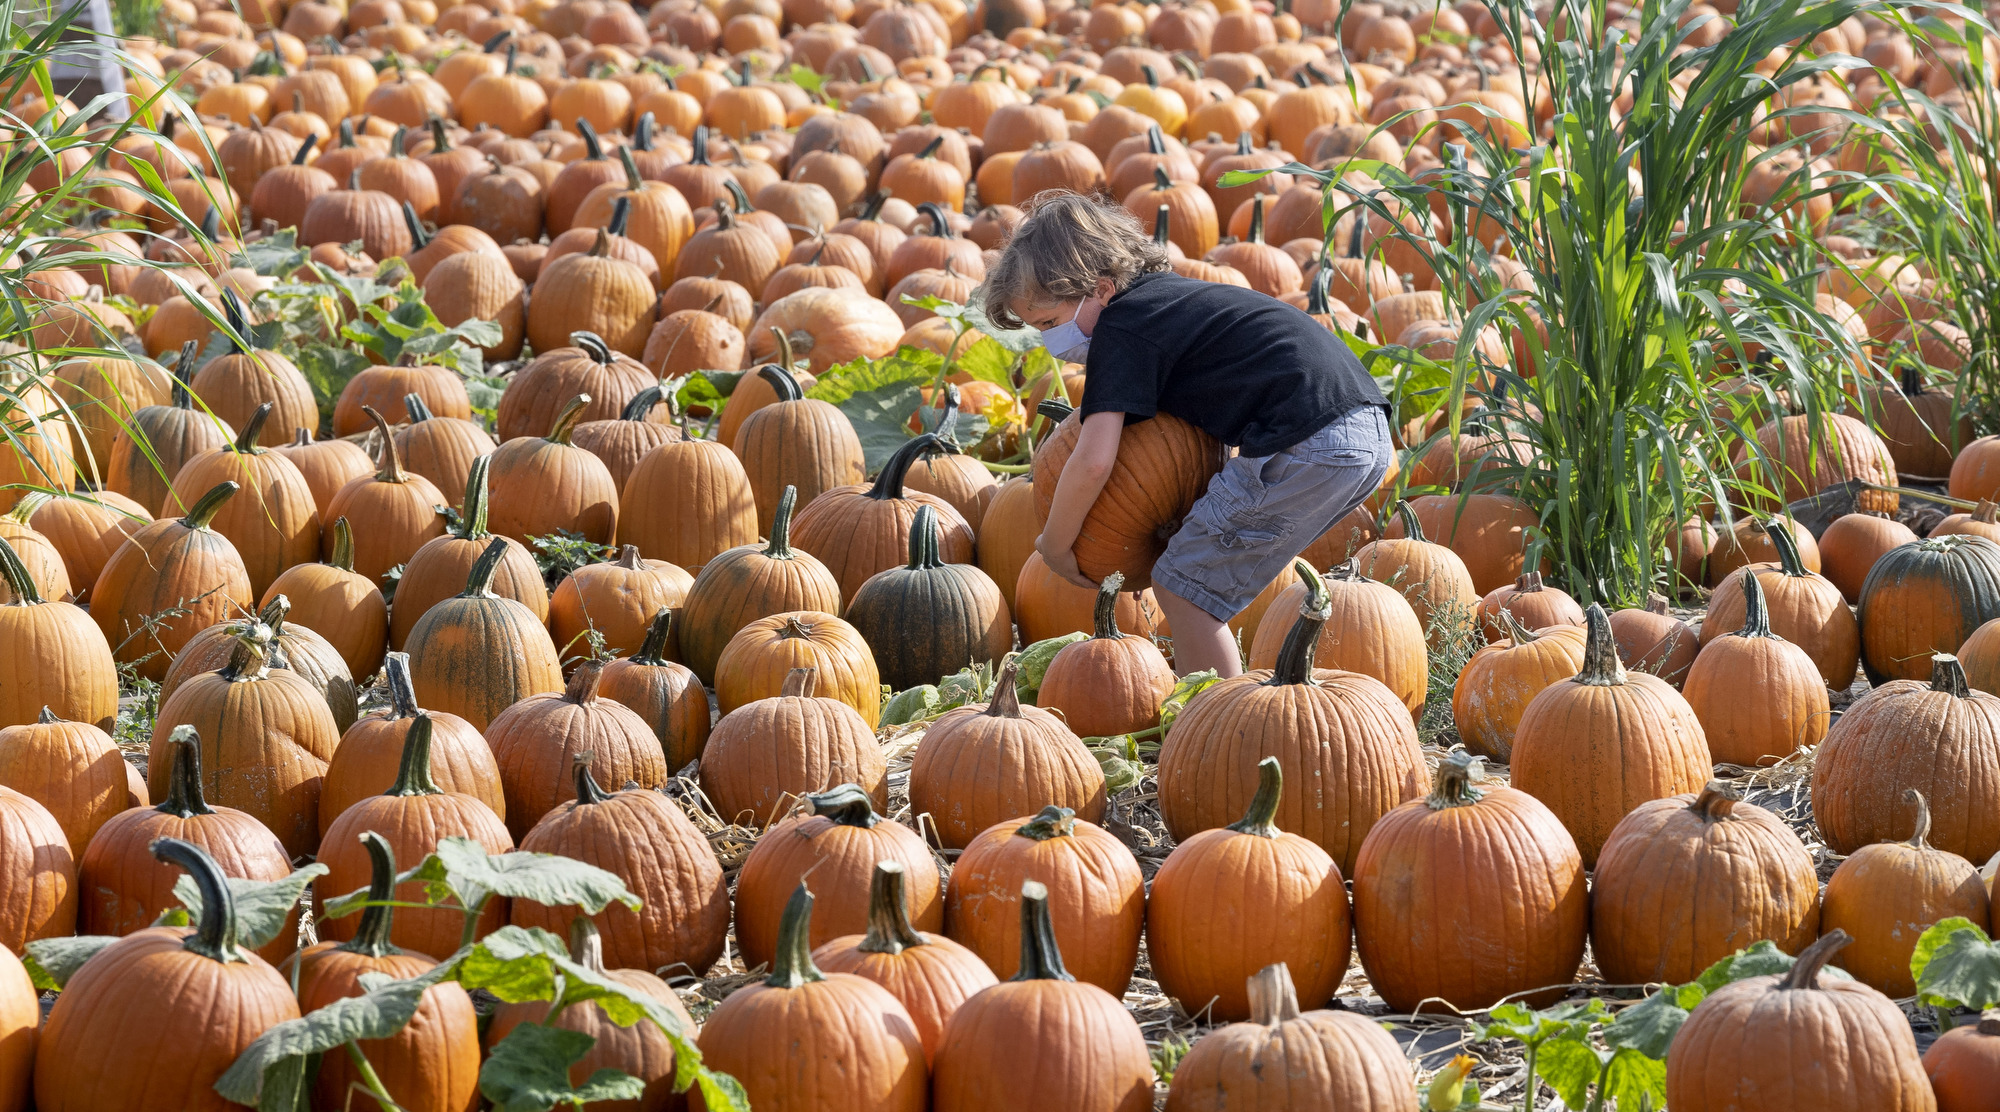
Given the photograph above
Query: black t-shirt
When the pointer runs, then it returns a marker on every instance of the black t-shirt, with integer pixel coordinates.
(1249, 369)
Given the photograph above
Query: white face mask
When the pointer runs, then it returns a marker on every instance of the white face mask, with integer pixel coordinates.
(1066, 341)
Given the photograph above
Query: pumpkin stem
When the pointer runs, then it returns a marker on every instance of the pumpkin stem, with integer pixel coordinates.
(1318, 303)
(601, 245)
(940, 223)
(924, 542)
(1948, 676)
(565, 423)
(371, 937)
(873, 210)
(1162, 182)
(582, 686)
(793, 966)
(343, 545)
(1716, 802)
(586, 945)
(440, 139)
(889, 484)
(416, 409)
(1516, 632)
(1601, 666)
(593, 345)
(472, 521)
(418, 236)
(392, 460)
(183, 371)
(1041, 958)
(931, 148)
(214, 934)
(1006, 701)
(628, 559)
(305, 150)
(274, 614)
(782, 382)
(15, 573)
(1295, 657)
(1984, 512)
(641, 404)
(1804, 973)
(787, 358)
(246, 441)
(1412, 528)
(1256, 220)
(846, 805)
(402, 693)
(1989, 1022)
(889, 928)
(699, 155)
(1756, 611)
(780, 547)
(1779, 530)
(1051, 822)
(47, 717)
(413, 775)
(184, 796)
(1274, 1000)
(653, 649)
(1919, 836)
(799, 683)
(1453, 785)
(24, 509)
(593, 149)
(479, 582)
(232, 311)
(1262, 817)
(724, 218)
(588, 793)
(251, 658)
(642, 132)
(1104, 617)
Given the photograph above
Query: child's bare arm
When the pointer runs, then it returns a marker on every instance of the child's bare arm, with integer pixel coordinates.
(1083, 478)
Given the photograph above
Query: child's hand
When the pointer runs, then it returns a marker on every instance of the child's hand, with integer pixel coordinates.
(1062, 561)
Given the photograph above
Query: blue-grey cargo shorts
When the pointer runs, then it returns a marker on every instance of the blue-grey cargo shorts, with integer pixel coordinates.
(1260, 512)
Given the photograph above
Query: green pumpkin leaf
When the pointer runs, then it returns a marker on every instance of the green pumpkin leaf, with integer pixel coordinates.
(1019, 341)
(376, 1014)
(288, 1085)
(276, 255)
(1956, 965)
(528, 1071)
(52, 962)
(987, 361)
(949, 310)
(1185, 689)
(908, 706)
(1649, 1026)
(1633, 1078)
(878, 397)
(1570, 1065)
(1032, 663)
(262, 906)
(516, 964)
(1761, 960)
(541, 877)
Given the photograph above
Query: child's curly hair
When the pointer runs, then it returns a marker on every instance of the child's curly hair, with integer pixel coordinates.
(1066, 244)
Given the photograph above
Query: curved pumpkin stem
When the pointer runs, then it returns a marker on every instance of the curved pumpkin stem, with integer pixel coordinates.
(940, 223)
(1804, 973)
(402, 693)
(793, 966)
(889, 928)
(1051, 822)
(846, 805)
(641, 404)
(1756, 611)
(343, 545)
(305, 148)
(245, 443)
(780, 547)
(1948, 676)
(15, 574)
(565, 422)
(413, 776)
(782, 382)
(799, 683)
(392, 460)
(479, 582)
(1717, 802)
(1295, 656)
(653, 649)
(924, 541)
(1919, 837)
(208, 505)
(1273, 998)
(251, 658)
(418, 236)
(239, 324)
(1516, 632)
(593, 147)
(472, 520)
(889, 484)
(1261, 819)
(1779, 530)
(1041, 958)
(787, 358)
(214, 934)
(415, 406)
(182, 372)
(371, 937)
(1458, 773)
(1104, 617)
(1412, 528)
(582, 686)
(593, 345)
(184, 796)
(1601, 666)
(588, 792)
(1006, 701)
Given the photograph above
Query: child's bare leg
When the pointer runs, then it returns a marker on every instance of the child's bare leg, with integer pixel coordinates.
(1200, 642)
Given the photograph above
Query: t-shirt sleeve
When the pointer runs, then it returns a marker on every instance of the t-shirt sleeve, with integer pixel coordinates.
(1123, 374)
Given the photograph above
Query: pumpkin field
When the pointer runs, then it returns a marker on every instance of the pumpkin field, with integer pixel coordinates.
(519, 583)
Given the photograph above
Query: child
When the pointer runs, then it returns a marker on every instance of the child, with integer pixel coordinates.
(1310, 426)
